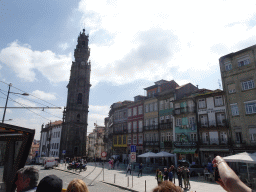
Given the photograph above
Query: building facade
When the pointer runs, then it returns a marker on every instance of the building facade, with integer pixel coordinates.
(74, 134)
(50, 139)
(238, 73)
(135, 124)
(213, 129)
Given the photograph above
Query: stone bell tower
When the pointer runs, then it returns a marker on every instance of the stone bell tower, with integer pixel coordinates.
(75, 115)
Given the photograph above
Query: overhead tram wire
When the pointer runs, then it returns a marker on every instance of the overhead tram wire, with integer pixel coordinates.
(29, 94)
(24, 106)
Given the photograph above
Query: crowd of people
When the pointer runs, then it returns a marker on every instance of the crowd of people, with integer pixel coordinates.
(112, 163)
(27, 180)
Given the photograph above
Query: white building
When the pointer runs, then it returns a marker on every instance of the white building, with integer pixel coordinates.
(50, 139)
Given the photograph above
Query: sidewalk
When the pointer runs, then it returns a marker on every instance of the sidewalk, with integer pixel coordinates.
(121, 180)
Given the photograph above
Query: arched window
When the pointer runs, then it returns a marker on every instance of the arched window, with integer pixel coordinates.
(78, 117)
(79, 98)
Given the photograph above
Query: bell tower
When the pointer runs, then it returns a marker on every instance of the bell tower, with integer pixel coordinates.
(75, 115)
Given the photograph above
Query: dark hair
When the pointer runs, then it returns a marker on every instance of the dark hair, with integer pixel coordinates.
(167, 186)
(32, 173)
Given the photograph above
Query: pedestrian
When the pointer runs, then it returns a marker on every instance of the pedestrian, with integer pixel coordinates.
(174, 171)
(129, 168)
(77, 185)
(50, 183)
(159, 178)
(165, 174)
(170, 174)
(27, 179)
(179, 173)
(109, 164)
(112, 164)
(185, 177)
(157, 170)
(140, 170)
(117, 163)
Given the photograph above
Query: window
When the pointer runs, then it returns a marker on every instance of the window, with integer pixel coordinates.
(204, 120)
(129, 139)
(191, 120)
(134, 139)
(146, 137)
(156, 135)
(147, 122)
(161, 105)
(178, 137)
(134, 126)
(156, 120)
(177, 105)
(247, 85)
(171, 105)
(119, 140)
(168, 136)
(234, 109)
(129, 112)
(155, 106)
(252, 133)
(243, 62)
(129, 127)
(232, 88)
(223, 137)
(238, 137)
(193, 136)
(57, 145)
(149, 94)
(201, 103)
(78, 117)
(250, 107)
(120, 115)
(151, 106)
(162, 137)
(140, 139)
(134, 111)
(79, 98)
(124, 139)
(220, 118)
(166, 104)
(140, 110)
(146, 108)
(228, 66)
(140, 126)
(115, 140)
(178, 122)
(205, 137)
(218, 101)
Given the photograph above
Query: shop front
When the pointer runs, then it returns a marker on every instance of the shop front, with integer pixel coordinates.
(207, 155)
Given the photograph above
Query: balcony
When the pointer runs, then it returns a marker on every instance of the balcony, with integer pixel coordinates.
(167, 144)
(140, 130)
(213, 124)
(151, 143)
(118, 131)
(214, 141)
(150, 127)
(184, 110)
(165, 126)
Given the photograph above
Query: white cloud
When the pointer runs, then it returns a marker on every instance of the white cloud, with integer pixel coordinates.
(164, 39)
(24, 103)
(64, 46)
(43, 95)
(24, 61)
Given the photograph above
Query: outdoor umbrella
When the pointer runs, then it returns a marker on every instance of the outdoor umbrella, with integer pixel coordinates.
(164, 154)
(148, 154)
(242, 158)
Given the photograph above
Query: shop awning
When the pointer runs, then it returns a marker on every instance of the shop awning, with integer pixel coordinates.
(185, 150)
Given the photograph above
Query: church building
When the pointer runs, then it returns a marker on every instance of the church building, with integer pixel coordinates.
(75, 115)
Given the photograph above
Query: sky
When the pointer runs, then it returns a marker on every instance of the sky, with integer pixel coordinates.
(133, 44)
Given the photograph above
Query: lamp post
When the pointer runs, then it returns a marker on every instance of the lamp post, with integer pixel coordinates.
(25, 94)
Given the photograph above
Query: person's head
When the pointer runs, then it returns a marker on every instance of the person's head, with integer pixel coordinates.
(77, 185)
(165, 169)
(167, 186)
(159, 173)
(50, 183)
(27, 178)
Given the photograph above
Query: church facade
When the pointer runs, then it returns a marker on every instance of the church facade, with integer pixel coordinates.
(75, 115)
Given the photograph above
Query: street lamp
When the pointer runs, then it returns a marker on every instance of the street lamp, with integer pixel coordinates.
(25, 94)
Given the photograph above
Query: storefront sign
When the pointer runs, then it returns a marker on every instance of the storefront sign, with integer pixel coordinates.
(211, 110)
(184, 144)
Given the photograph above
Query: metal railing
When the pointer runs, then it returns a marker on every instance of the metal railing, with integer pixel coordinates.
(150, 127)
(165, 125)
(151, 143)
(213, 124)
(184, 110)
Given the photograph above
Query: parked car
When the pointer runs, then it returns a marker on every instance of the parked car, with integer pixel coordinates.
(194, 169)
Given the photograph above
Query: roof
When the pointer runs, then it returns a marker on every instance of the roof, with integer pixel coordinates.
(182, 86)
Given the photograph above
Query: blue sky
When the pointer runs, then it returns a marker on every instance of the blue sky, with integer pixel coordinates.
(133, 44)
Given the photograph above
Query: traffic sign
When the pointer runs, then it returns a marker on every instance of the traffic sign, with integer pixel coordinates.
(63, 152)
(133, 148)
(103, 155)
(133, 157)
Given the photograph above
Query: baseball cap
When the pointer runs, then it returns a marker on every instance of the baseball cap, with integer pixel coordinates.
(50, 183)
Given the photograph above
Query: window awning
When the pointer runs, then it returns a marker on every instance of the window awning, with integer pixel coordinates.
(185, 150)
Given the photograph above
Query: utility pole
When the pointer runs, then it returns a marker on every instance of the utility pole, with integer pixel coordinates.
(6, 102)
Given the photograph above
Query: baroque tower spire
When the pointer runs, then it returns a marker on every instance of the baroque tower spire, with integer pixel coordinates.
(74, 129)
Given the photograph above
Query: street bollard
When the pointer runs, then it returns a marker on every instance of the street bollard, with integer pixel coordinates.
(128, 181)
(132, 180)
(145, 185)
(114, 178)
(103, 172)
